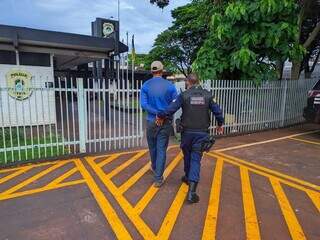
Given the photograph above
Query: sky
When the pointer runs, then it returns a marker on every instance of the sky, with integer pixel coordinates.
(138, 17)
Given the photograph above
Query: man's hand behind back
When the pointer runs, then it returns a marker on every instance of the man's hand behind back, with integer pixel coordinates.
(220, 130)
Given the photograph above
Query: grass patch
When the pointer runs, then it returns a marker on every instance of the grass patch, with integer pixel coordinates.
(30, 147)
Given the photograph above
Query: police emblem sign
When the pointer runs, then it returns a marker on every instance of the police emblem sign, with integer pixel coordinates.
(19, 84)
(107, 29)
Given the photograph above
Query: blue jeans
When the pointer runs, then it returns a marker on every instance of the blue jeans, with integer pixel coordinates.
(190, 145)
(158, 139)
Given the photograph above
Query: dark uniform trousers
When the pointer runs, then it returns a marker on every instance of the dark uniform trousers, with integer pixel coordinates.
(191, 148)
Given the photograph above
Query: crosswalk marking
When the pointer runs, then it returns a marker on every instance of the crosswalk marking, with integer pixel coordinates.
(209, 230)
(252, 226)
(287, 211)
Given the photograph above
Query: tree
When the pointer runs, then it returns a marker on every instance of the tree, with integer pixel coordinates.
(177, 46)
(249, 39)
(160, 3)
(245, 39)
(309, 37)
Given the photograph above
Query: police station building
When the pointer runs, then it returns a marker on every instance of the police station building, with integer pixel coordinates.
(31, 59)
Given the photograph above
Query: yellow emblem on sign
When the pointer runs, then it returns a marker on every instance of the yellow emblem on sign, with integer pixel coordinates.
(19, 84)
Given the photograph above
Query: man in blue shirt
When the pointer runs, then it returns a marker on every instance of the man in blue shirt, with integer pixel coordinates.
(196, 104)
(156, 95)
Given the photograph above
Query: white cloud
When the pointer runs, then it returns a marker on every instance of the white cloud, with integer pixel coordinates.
(138, 17)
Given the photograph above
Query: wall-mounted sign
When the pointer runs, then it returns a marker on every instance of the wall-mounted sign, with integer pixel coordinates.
(19, 84)
(107, 29)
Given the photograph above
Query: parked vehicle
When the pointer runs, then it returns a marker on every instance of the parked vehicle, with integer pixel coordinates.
(312, 111)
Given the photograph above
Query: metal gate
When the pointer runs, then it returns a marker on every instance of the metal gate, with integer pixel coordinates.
(69, 116)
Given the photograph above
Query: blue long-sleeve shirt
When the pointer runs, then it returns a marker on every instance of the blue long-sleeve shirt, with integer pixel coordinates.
(156, 95)
(177, 103)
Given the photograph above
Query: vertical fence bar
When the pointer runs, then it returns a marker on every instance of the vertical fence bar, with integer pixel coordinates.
(66, 89)
(3, 128)
(17, 128)
(72, 91)
(81, 115)
(10, 127)
(99, 109)
(43, 120)
(24, 130)
(105, 115)
(49, 116)
(283, 104)
(62, 115)
(31, 129)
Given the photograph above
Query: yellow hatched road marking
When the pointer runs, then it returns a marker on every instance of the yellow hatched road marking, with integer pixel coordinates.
(134, 217)
(147, 197)
(107, 209)
(267, 141)
(125, 186)
(305, 141)
(289, 183)
(108, 160)
(39, 190)
(126, 164)
(267, 170)
(210, 226)
(173, 212)
(315, 197)
(287, 211)
(252, 226)
(15, 174)
(63, 177)
(29, 165)
(33, 178)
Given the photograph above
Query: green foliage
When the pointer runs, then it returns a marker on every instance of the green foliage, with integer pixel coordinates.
(177, 46)
(247, 38)
(140, 61)
(234, 39)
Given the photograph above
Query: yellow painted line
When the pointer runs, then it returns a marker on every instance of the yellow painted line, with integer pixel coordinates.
(287, 211)
(210, 226)
(128, 152)
(269, 171)
(108, 160)
(126, 164)
(173, 212)
(125, 186)
(264, 142)
(305, 141)
(63, 177)
(134, 217)
(33, 178)
(39, 190)
(15, 174)
(107, 209)
(147, 197)
(289, 183)
(315, 197)
(30, 165)
(252, 226)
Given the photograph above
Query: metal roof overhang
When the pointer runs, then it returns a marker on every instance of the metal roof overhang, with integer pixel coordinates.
(77, 46)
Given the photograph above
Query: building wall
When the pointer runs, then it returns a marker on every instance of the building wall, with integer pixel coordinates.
(39, 108)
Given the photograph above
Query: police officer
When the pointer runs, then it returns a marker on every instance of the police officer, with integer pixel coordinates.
(196, 104)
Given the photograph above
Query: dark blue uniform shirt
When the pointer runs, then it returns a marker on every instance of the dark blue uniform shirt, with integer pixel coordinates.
(177, 103)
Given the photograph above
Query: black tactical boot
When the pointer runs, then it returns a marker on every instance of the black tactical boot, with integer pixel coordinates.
(192, 196)
(185, 179)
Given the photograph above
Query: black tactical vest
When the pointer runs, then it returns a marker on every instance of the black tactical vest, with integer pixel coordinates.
(196, 109)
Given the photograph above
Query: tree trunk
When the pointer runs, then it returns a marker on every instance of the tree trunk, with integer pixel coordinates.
(295, 71)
